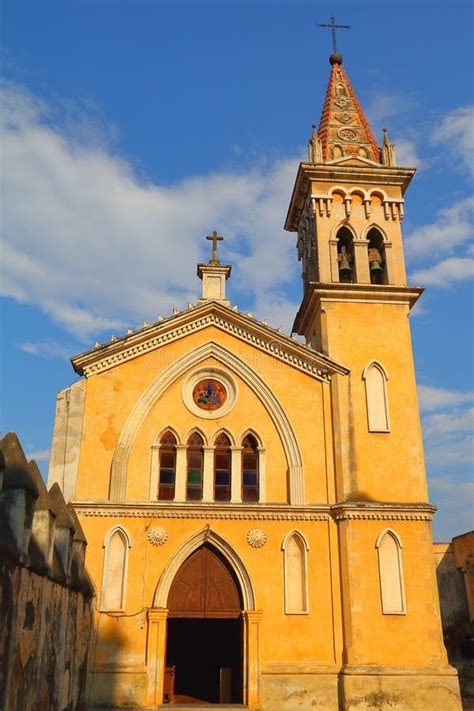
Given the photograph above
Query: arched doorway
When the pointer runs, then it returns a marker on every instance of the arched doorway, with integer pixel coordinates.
(204, 636)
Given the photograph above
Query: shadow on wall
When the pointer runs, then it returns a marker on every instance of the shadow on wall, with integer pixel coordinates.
(46, 593)
(111, 681)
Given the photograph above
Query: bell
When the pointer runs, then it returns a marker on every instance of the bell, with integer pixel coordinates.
(375, 266)
(345, 270)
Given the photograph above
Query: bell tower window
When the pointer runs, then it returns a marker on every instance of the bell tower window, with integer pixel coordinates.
(376, 256)
(345, 256)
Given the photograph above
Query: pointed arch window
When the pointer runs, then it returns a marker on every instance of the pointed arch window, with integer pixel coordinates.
(295, 570)
(345, 256)
(376, 256)
(195, 467)
(250, 469)
(166, 487)
(375, 377)
(222, 468)
(116, 547)
(389, 551)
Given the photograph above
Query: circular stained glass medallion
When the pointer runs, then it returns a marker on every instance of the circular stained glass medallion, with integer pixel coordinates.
(209, 394)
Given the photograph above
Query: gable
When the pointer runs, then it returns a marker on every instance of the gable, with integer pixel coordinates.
(194, 319)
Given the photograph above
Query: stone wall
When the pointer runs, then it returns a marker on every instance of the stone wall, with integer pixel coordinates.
(455, 575)
(46, 596)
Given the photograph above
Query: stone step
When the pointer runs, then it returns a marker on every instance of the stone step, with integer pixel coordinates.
(197, 707)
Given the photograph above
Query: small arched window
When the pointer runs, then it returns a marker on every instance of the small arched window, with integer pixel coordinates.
(115, 569)
(337, 152)
(222, 468)
(250, 469)
(195, 461)
(376, 256)
(375, 378)
(296, 578)
(391, 573)
(345, 256)
(167, 467)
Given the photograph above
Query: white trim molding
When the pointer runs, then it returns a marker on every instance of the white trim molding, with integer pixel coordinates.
(210, 373)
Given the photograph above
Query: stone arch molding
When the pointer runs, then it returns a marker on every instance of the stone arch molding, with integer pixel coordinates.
(206, 535)
(118, 476)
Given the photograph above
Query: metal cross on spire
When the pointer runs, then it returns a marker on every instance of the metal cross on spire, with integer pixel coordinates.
(214, 238)
(333, 28)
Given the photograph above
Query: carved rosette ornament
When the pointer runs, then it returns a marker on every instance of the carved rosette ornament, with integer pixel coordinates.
(256, 537)
(157, 535)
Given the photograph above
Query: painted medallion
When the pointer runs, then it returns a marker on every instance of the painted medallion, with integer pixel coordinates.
(209, 394)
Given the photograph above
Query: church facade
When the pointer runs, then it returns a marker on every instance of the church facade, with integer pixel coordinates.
(257, 509)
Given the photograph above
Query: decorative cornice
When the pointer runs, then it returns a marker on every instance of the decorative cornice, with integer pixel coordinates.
(358, 172)
(382, 512)
(211, 313)
(317, 293)
(259, 512)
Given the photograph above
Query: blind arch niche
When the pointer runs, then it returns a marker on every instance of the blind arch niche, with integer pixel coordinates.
(116, 546)
(375, 378)
(295, 547)
(389, 551)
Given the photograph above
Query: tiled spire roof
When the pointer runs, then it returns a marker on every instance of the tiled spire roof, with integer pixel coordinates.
(344, 129)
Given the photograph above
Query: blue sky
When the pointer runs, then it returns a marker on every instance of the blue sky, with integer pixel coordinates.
(132, 129)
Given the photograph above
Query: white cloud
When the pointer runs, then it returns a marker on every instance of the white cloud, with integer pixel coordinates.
(46, 349)
(456, 133)
(445, 273)
(439, 398)
(449, 485)
(406, 153)
(39, 455)
(442, 423)
(452, 227)
(386, 105)
(455, 500)
(96, 248)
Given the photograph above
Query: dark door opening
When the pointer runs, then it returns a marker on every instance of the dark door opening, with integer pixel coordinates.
(206, 655)
(204, 650)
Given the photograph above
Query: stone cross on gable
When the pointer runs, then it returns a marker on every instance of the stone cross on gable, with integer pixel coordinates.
(214, 238)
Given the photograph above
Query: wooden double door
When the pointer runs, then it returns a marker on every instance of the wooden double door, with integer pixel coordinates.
(204, 636)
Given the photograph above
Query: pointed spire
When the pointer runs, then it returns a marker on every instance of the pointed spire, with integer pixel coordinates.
(344, 130)
(388, 151)
(315, 154)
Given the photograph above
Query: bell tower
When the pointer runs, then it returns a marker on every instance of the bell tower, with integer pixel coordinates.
(347, 209)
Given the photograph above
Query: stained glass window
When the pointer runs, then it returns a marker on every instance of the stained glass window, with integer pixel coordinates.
(249, 469)
(222, 469)
(167, 467)
(195, 457)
